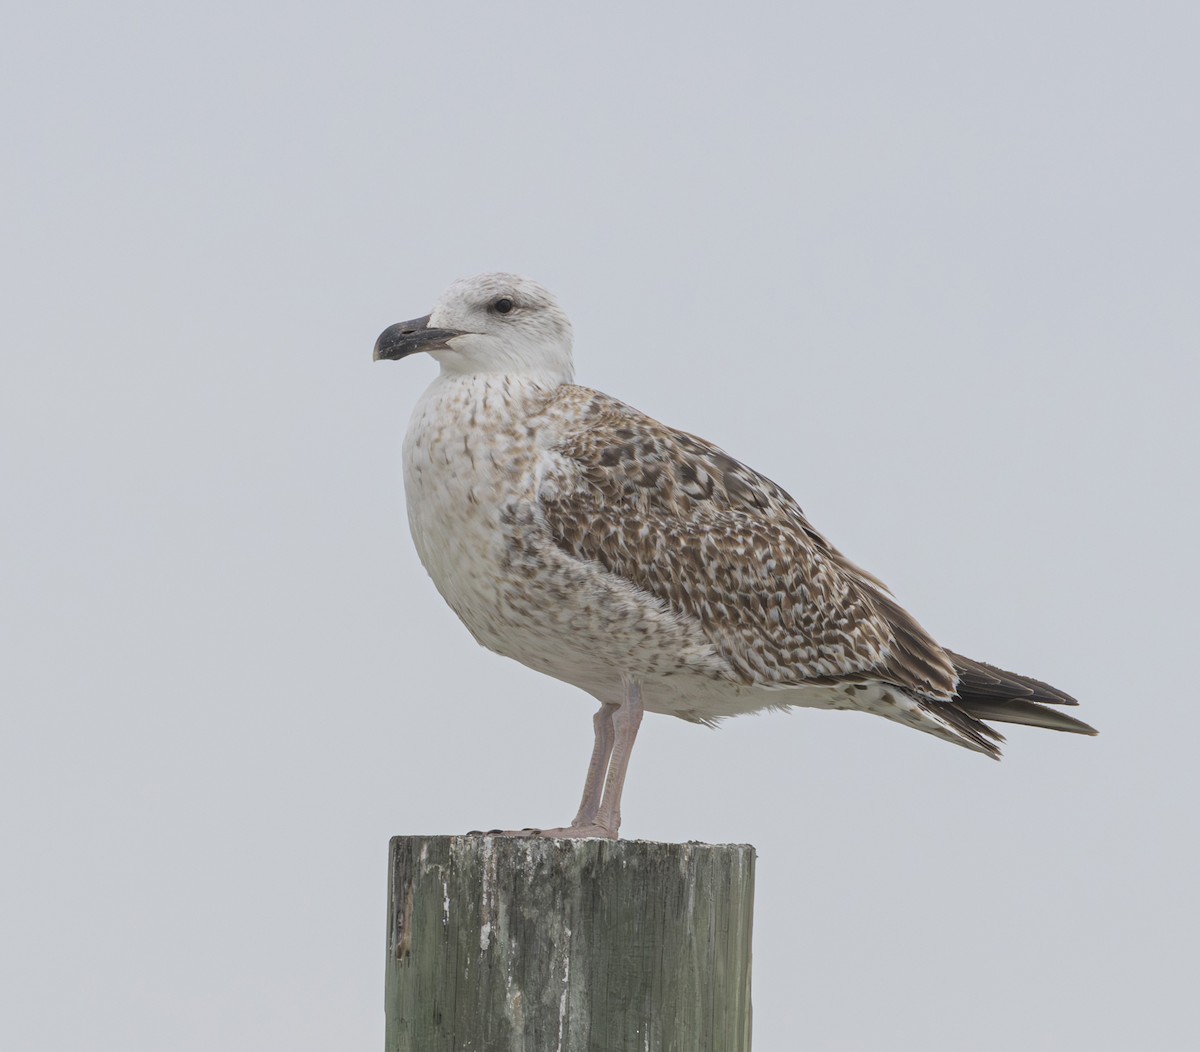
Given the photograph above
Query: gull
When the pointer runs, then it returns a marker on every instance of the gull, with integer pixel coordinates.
(645, 565)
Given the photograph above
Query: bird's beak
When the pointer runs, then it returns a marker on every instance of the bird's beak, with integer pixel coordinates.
(407, 337)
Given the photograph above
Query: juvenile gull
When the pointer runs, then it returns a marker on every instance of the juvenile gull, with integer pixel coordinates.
(645, 565)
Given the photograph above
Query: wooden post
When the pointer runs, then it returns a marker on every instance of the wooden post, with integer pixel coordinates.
(500, 944)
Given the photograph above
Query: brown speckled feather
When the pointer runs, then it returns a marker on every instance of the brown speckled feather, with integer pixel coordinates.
(725, 546)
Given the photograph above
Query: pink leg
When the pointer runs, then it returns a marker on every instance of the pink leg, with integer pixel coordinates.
(593, 788)
(600, 812)
(626, 722)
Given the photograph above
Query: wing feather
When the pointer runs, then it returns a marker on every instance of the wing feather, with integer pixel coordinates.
(725, 546)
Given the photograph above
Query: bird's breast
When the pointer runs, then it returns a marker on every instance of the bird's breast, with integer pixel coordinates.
(469, 464)
(474, 465)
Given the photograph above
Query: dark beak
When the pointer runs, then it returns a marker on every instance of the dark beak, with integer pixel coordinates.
(407, 337)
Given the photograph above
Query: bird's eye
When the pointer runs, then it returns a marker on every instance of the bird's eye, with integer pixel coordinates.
(502, 305)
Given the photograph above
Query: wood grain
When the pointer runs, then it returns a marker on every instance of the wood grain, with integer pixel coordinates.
(500, 944)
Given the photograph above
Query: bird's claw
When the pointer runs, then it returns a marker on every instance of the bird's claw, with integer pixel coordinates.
(581, 832)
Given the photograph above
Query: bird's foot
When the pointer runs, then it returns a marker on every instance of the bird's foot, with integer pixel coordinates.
(580, 832)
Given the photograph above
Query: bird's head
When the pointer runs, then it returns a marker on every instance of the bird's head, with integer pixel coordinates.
(493, 323)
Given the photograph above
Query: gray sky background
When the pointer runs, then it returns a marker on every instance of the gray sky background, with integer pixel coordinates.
(933, 267)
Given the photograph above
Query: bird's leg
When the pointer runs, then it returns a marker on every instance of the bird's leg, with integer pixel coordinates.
(626, 721)
(616, 728)
(593, 788)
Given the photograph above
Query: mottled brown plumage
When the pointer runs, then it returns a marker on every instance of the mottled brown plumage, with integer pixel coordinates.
(723, 544)
(728, 547)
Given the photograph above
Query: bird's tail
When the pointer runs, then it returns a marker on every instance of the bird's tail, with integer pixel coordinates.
(989, 693)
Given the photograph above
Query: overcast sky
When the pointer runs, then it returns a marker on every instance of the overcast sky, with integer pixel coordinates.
(933, 267)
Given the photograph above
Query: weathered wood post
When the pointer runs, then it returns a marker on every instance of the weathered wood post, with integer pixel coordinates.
(500, 944)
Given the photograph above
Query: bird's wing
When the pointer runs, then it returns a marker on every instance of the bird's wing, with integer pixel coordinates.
(726, 547)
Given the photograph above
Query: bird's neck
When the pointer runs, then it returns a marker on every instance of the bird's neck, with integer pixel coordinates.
(517, 365)
(483, 400)
(487, 387)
